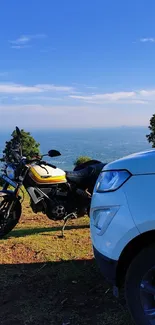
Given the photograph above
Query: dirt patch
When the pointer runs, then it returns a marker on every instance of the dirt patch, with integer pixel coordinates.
(18, 253)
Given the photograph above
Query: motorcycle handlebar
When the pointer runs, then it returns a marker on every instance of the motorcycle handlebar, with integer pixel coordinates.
(30, 161)
(40, 162)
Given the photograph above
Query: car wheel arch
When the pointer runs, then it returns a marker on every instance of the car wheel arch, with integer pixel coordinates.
(129, 253)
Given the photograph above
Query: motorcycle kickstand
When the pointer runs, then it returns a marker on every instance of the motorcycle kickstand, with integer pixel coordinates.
(66, 218)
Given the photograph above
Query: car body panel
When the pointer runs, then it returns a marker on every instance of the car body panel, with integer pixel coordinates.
(136, 201)
(120, 231)
(140, 195)
(137, 164)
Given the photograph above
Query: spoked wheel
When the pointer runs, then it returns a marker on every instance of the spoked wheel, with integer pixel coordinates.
(140, 287)
(10, 212)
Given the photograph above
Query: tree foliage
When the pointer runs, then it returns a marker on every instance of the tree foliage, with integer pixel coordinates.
(30, 147)
(80, 160)
(151, 136)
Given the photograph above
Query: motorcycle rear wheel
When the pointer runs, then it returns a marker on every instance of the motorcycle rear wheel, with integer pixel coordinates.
(7, 223)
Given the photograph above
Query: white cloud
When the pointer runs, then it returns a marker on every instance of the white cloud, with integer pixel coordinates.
(21, 40)
(22, 89)
(24, 40)
(18, 89)
(138, 101)
(18, 47)
(131, 97)
(36, 98)
(46, 91)
(23, 103)
(147, 93)
(48, 87)
(115, 96)
(148, 39)
(27, 38)
(105, 98)
(122, 97)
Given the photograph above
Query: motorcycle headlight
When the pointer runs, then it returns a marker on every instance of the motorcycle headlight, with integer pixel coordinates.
(10, 172)
(111, 180)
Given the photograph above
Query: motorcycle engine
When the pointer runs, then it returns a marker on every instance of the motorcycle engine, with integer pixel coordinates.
(57, 213)
(56, 210)
(37, 207)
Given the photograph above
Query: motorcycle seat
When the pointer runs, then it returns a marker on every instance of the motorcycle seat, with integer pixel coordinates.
(79, 176)
(85, 176)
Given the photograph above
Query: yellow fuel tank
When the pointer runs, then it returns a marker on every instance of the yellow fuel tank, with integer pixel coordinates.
(45, 174)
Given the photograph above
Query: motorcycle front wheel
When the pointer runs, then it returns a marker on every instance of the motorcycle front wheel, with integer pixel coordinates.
(10, 212)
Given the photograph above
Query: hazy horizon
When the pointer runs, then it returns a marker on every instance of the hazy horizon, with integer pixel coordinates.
(104, 144)
(31, 129)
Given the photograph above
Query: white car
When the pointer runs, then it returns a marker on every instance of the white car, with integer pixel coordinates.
(122, 222)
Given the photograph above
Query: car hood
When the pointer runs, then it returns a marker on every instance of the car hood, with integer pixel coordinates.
(137, 163)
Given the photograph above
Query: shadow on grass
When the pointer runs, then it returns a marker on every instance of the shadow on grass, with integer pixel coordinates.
(57, 293)
(33, 231)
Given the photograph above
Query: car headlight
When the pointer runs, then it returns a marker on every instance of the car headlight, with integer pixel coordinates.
(111, 180)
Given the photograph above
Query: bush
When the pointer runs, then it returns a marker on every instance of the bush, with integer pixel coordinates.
(80, 160)
(30, 147)
(151, 137)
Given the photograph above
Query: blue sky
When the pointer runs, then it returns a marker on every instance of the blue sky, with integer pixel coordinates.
(82, 63)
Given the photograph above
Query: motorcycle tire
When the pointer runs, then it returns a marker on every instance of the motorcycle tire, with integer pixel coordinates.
(140, 287)
(7, 224)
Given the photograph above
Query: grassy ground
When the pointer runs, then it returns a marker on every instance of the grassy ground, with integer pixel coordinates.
(46, 279)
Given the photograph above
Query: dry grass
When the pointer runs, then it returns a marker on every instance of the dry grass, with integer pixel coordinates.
(46, 279)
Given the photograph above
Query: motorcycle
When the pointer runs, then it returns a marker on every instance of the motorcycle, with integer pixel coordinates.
(58, 194)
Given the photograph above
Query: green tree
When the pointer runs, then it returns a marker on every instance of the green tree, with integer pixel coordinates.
(80, 160)
(30, 147)
(151, 136)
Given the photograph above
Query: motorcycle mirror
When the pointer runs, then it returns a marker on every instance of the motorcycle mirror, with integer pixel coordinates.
(18, 132)
(54, 153)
